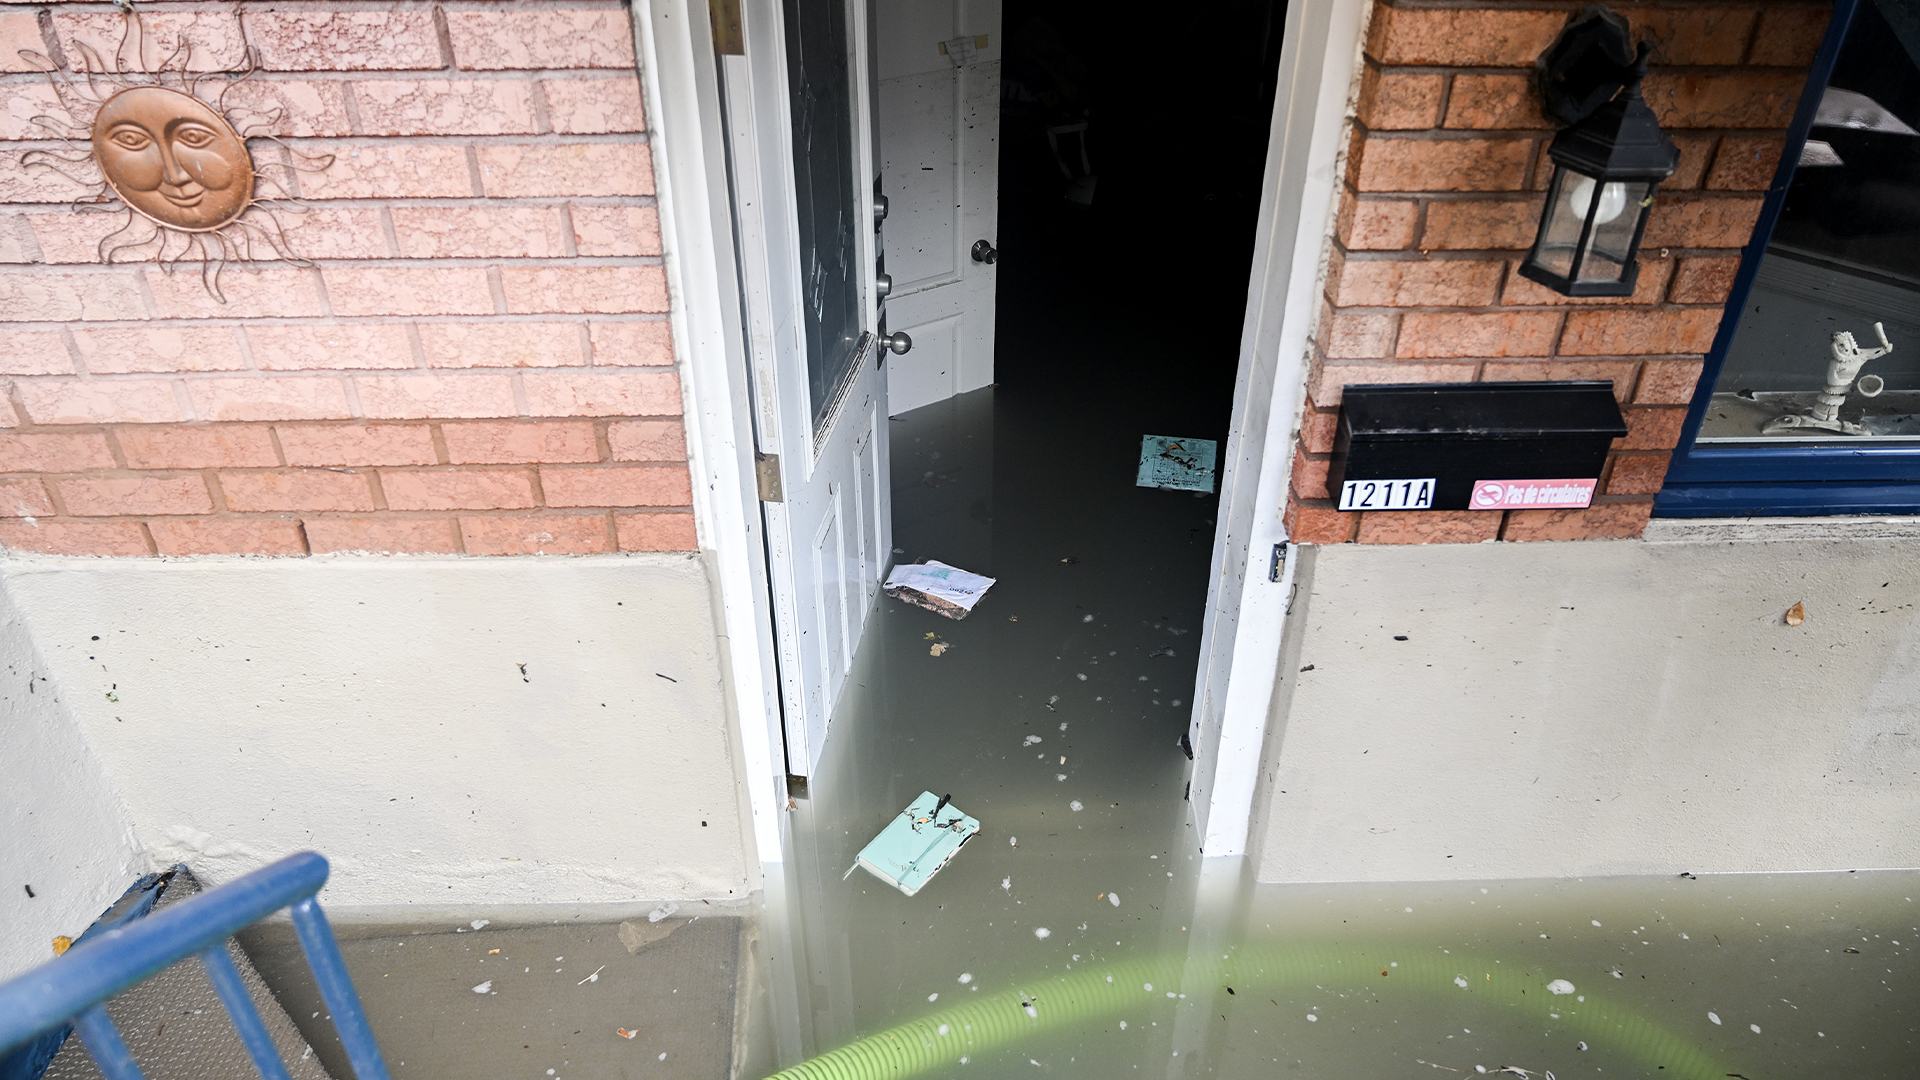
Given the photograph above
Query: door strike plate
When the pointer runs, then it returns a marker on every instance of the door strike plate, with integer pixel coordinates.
(766, 470)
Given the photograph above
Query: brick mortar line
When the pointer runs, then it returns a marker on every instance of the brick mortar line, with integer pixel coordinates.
(418, 515)
(95, 7)
(1519, 6)
(432, 138)
(345, 320)
(264, 76)
(422, 262)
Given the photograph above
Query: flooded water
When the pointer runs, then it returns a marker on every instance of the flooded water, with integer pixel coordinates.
(1081, 934)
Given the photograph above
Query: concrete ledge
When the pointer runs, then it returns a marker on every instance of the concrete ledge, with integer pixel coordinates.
(1776, 529)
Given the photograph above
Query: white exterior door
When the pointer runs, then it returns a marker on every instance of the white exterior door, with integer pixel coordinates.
(939, 129)
(801, 163)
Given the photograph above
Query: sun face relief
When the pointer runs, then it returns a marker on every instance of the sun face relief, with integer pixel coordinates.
(172, 158)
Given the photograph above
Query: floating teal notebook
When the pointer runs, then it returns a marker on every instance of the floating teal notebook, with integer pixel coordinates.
(917, 843)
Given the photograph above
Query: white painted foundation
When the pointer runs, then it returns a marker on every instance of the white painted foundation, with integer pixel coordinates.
(1618, 707)
(374, 709)
(63, 832)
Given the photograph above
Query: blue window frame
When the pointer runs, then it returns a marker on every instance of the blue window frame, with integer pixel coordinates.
(1829, 473)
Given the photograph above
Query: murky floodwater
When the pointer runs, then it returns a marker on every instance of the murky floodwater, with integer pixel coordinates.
(1080, 934)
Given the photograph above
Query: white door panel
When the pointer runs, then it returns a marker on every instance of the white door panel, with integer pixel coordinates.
(930, 372)
(801, 163)
(939, 125)
(920, 167)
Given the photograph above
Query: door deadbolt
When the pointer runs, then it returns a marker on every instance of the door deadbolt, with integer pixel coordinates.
(984, 252)
(898, 342)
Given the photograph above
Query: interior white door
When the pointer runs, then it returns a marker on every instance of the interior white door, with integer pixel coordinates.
(939, 129)
(801, 163)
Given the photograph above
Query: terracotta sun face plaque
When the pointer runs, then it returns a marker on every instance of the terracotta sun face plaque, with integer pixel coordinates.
(144, 140)
(172, 159)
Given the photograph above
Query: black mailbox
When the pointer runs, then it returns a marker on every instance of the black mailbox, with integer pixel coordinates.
(1472, 446)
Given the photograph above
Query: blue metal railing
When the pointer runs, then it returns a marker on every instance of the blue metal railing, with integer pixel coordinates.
(75, 987)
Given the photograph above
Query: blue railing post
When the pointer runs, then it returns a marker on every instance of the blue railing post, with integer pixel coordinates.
(74, 987)
(330, 972)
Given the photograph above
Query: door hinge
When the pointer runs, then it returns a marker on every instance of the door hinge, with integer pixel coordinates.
(766, 470)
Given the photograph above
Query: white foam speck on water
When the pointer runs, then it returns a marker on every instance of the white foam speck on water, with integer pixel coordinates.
(663, 1055)
(484, 987)
(1086, 618)
(1312, 1019)
(933, 997)
(1060, 776)
(1082, 676)
(1684, 937)
(1013, 841)
(963, 1059)
(1075, 806)
(1113, 898)
(1063, 725)
(1596, 922)
(1030, 740)
(1713, 1016)
(1007, 883)
(1755, 1027)
(1123, 1025)
(478, 923)
(1409, 911)
(1149, 987)
(1042, 933)
(1460, 981)
(1483, 892)
(1559, 986)
(1109, 978)
(966, 977)
(1032, 1013)
(1054, 700)
(942, 1030)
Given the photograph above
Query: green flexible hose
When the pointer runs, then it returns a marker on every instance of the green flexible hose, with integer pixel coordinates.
(990, 1022)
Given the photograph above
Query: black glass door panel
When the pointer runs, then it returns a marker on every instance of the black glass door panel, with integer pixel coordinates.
(821, 89)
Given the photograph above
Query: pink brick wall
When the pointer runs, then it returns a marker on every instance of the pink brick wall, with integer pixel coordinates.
(479, 361)
(1446, 173)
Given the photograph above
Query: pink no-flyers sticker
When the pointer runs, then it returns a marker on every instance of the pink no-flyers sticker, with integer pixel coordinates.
(1537, 494)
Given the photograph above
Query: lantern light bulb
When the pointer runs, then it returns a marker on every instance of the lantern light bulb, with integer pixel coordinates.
(1613, 199)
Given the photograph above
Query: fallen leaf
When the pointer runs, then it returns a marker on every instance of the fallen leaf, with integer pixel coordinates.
(624, 1033)
(939, 647)
(1796, 615)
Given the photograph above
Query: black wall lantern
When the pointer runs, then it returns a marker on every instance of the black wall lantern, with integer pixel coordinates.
(1606, 166)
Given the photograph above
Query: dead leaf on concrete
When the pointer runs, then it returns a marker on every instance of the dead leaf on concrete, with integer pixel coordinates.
(938, 648)
(637, 934)
(1796, 615)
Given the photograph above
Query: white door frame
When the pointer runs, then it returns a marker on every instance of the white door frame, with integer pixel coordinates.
(1246, 609)
(1241, 641)
(673, 41)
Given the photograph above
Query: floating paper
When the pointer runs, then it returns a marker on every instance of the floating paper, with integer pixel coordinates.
(938, 587)
(1180, 464)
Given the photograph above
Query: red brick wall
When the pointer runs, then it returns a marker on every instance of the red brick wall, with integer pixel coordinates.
(479, 362)
(1441, 197)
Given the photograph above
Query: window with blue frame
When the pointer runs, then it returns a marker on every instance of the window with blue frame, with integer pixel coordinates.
(1810, 401)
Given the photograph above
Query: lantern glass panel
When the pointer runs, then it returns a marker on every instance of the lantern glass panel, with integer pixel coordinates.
(1609, 251)
(1560, 232)
(1607, 254)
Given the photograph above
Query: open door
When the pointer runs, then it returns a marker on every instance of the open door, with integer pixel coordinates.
(798, 97)
(938, 109)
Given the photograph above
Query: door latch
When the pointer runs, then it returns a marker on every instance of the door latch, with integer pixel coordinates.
(766, 472)
(985, 252)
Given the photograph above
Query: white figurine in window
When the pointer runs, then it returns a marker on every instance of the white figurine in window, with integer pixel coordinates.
(1848, 358)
